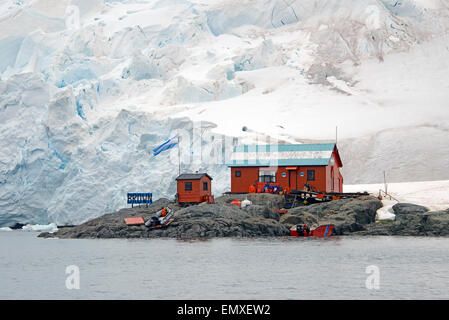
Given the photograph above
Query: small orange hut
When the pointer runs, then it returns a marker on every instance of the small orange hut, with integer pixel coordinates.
(194, 188)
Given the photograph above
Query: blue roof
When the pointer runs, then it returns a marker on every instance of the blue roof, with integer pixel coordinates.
(285, 147)
(317, 154)
(280, 162)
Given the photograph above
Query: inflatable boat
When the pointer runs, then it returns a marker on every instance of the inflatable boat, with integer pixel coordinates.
(161, 219)
(303, 230)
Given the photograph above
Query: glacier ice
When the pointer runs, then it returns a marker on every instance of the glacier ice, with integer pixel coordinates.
(51, 227)
(63, 161)
(81, 107)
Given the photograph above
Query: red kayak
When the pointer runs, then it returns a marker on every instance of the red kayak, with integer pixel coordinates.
(303, 230)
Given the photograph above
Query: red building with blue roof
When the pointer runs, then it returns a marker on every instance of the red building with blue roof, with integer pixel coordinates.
(293, 166)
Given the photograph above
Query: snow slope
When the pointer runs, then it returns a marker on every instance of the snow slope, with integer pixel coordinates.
(89, 87)
(431, 194)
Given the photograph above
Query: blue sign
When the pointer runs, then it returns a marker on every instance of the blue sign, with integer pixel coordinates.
(302, 174)
(140, 198)
(284, 174)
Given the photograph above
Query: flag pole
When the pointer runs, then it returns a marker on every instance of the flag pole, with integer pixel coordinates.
(179, 156)
(336, 134)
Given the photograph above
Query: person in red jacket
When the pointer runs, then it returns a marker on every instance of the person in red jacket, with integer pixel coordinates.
(252, 189)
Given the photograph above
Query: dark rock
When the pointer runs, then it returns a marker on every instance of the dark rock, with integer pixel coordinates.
(262, 212)
(222, 219)
(304, 218)
(428, 223)
(198, 221)
(17, 226)
(348, 215)
(272, 201)
(422, 223)
(408, 208)
(270, 214)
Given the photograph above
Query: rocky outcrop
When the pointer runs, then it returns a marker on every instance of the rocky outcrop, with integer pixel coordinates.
(274, 201)
(294, 219)
(408, 208)
(348, 215)
(412, 220)
(223, 219)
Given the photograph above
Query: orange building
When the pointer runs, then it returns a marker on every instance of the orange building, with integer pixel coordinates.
(294, 166)
(194, 188)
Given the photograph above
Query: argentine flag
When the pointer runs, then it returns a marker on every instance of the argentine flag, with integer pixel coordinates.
(170, 143)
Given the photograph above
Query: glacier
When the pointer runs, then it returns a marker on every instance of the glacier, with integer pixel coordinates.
(89, 87)
(41, 228)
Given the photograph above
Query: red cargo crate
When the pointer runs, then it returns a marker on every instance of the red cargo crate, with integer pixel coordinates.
(134, 221)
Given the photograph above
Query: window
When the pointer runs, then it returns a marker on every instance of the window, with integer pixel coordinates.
(267, 176)
(238, 173)
(205, 186)
(188, 186)
(310, 175)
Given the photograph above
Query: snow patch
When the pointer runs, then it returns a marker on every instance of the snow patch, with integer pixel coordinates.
(431, 194)
(386, 212)
(41, 227)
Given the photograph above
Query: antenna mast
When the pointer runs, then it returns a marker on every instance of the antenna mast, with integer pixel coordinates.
(336, 134)
(179, 156)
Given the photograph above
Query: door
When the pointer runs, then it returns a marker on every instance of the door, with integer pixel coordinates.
(332, 179)
(292, 179)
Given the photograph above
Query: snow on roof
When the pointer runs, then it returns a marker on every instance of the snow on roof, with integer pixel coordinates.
(317, 154)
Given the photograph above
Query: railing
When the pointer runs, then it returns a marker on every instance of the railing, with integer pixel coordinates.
(387, 195)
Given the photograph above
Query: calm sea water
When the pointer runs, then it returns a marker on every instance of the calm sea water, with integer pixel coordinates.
(282, 268)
